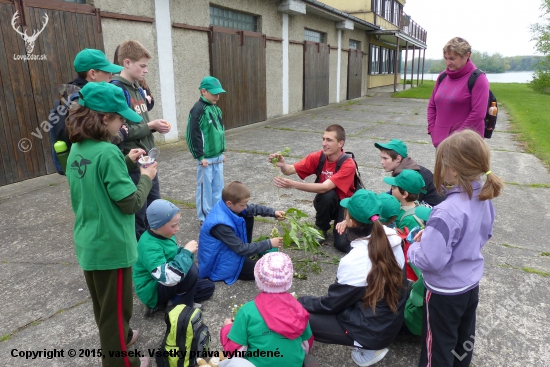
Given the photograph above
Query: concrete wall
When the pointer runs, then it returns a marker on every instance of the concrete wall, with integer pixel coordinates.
(350, 6)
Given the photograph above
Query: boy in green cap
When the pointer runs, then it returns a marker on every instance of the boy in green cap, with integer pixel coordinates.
(406, 187)
(91, 66)
(104, 239)
(394, 158)
(206, 140)
(135, 59)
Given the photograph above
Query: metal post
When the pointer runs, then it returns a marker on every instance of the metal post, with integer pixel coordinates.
(412, 67)
(405, 69)
(423, 59)
(395, 68)
(418, 69)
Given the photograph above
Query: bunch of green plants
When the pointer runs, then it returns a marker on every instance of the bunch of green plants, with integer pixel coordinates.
(274, 161)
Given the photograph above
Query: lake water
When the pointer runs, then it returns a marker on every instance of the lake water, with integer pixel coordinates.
(511, 77)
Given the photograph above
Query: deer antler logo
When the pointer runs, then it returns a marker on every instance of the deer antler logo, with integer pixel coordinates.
(29, 40)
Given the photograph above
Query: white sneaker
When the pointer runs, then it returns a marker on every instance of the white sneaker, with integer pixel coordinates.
(365, 357)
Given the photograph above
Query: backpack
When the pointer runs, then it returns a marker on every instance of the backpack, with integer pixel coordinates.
(407, 270)
(490, 120)
(357, 182)
(119, 84)
(187, 337)
(56, 118)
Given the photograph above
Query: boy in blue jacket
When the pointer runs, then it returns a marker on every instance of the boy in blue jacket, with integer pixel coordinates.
(226, 236)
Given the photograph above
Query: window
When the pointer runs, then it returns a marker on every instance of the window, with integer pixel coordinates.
(355, 45)
(314, 36)
(232, 19)
(381, 60)
(388, 10)
(396, 13)
(377, 6)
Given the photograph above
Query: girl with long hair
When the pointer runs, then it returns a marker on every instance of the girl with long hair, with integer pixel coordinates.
(448, 250)
(364, 307)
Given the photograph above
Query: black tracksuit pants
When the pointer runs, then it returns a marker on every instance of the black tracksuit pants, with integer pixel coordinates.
(327, 206)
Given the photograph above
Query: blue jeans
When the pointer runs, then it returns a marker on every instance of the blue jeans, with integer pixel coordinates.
(209, 186)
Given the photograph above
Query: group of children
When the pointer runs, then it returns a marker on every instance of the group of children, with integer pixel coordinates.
(369, 302)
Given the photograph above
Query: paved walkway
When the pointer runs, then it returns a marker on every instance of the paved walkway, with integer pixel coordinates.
(46, 305)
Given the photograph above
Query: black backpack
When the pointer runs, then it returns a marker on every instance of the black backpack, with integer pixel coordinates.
(186, 338)
(490, 120)
(57, 132)
(357, 182)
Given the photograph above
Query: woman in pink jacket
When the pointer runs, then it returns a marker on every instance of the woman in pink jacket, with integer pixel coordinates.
(452, 107)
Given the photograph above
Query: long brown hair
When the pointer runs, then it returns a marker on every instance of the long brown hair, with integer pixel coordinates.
(385, 279)
(84, 123)
(469, 155)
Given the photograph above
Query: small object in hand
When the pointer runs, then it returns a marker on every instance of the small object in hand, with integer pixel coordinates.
(146, 161)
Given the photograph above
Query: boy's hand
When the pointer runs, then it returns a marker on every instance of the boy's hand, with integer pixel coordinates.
(204, 163)
(277, 242)
(341, 227)
(418, 236)
(192, 246)
(162, 126)
(283, 183)
(227, 322)
(150, 170)
(279, 214)
(281, 159)
(134, 154)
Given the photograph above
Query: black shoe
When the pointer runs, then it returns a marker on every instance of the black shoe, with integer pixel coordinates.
(150, 311)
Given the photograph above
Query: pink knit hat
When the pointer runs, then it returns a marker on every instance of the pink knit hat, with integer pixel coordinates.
(273, 272)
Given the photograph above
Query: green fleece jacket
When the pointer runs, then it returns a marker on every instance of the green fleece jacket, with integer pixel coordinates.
(205, 131)
(139, 135)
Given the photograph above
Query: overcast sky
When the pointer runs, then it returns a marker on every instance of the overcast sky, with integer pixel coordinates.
(488, 25)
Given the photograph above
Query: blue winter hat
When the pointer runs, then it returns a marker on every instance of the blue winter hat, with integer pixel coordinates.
(160, 212)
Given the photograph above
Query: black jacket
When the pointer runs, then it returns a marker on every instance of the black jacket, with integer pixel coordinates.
(431, 196)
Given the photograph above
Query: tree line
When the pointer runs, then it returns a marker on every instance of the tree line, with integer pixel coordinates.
(495, 63)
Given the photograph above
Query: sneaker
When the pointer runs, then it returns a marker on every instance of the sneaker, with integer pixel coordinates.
(135, 336)
(365, 357)
(144, 361)
(150, 311)
(197, 305)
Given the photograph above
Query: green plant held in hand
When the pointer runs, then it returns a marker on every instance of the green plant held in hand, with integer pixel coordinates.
(294, 226)
(274, 161)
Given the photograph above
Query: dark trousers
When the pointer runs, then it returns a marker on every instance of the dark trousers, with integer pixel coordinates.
(326, 329)
(448, 329)
(327, 206)
(112, 299)
(247, 271)
(188, 291)
(141, 219)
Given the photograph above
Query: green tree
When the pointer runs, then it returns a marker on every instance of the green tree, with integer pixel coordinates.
(541, 35)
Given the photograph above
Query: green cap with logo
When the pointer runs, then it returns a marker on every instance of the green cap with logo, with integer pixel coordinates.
(212, 85)
(396, 145)
(423, 212)
(363, 206)
(408, 180)
(390, 206)
(107, 98)
(90, 58)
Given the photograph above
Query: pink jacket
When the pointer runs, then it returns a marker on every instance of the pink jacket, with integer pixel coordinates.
(453, 108)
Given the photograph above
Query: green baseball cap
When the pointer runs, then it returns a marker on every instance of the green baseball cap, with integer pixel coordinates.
(212, 85)
(107, 98)
(390, 206)
(363, 206)
(396, 145)
(90, 58)
(409, 180)
(423, 212)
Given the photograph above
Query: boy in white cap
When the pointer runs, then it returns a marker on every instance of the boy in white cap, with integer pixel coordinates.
(165, 272)
(274, 322)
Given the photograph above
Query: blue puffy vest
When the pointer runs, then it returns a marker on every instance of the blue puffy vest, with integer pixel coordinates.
(216, 260)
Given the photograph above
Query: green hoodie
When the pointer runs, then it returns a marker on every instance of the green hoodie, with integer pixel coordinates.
(139, 135)
(205, 134)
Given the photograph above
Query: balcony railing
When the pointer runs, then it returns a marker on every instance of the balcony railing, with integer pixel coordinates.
(412, 28)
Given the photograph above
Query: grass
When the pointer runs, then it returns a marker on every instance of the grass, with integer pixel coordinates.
(186, 204)
(535, 271)
(527, 111)
(545, 254)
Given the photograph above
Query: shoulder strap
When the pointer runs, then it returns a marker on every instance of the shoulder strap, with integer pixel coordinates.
(322, 160)
(473, 78)
(442, 76)
(411, 211)
(119, 84)
(344, 157)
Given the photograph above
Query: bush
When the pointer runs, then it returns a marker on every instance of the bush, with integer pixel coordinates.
(541, 81)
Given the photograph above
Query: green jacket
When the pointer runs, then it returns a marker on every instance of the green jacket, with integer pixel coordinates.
(415, 303)
(139, 135)
(205, 131)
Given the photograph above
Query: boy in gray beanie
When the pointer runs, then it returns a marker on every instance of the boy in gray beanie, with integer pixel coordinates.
(164, 272)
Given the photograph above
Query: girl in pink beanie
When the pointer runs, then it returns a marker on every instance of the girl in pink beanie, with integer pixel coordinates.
(273, 329)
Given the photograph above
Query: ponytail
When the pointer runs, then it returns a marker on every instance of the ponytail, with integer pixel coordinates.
(491, 188)
(385, 277)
